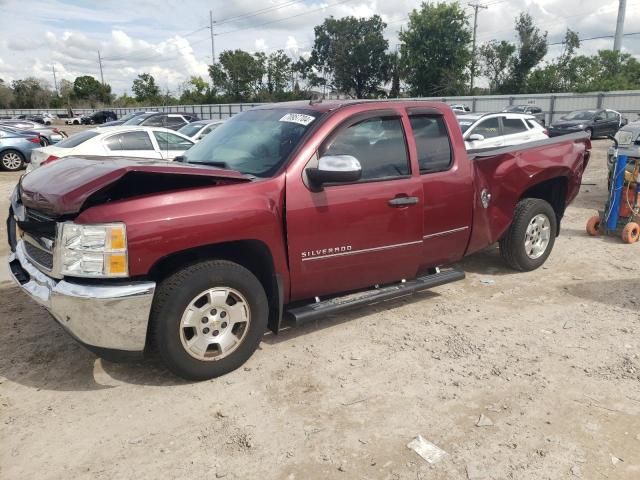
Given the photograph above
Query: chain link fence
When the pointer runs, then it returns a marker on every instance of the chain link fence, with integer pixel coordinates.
(554, 105)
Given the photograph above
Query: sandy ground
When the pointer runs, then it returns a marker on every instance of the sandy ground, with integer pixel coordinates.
(550, 358)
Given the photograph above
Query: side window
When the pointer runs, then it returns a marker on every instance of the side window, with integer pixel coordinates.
(489, 128)
(535, 110)
(378, 144)
(513, 125)
(154, 121)
(129, 141)
(169, 141)
(533, 124)
(612, 115)
(173, 122)
(432, 142)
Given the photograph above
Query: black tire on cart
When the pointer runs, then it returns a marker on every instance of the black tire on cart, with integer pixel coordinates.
(531, 236)
(208, 319)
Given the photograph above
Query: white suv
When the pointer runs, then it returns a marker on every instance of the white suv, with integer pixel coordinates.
(495, 130)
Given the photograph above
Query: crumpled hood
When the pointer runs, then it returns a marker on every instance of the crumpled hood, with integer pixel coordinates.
(62, 187)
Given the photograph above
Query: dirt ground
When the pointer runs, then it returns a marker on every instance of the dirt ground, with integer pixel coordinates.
(551, 359)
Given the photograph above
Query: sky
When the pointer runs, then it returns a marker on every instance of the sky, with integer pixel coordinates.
(171, 39)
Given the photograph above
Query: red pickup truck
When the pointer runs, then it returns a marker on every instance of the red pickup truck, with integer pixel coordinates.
(285, 213)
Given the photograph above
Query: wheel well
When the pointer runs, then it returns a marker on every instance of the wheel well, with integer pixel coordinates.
(254, 255)
(553, 191)
(2, 152)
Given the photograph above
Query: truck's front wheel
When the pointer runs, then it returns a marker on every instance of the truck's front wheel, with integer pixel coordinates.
(208, 319)
(529, 241)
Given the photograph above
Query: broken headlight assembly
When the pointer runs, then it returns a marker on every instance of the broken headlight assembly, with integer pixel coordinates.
(94, 251)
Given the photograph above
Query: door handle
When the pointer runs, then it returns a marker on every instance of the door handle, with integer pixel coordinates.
(400, 202)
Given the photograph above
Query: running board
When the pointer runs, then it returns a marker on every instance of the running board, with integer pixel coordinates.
(313, 311)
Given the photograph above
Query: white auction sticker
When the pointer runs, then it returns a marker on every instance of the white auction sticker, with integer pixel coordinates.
(299, 118)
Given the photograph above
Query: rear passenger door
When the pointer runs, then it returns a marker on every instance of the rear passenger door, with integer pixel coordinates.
(131, 144)
(447, 189)
(613, 122)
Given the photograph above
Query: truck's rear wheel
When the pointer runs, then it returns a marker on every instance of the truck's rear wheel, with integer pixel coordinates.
(208, 319)
(530, 239)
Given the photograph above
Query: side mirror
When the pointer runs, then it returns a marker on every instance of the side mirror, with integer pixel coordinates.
(335, 169)
(624, 121)
(476, 137)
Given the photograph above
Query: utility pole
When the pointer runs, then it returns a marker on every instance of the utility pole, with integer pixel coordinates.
(55, 81)
(622, 8)
(476, 7)
(100, 63)
(213, 45)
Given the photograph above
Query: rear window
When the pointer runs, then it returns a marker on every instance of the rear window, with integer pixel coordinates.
(432, 142)
(77, 139)
(513, 125)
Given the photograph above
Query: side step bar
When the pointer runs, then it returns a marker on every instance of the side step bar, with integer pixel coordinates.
(313, 311)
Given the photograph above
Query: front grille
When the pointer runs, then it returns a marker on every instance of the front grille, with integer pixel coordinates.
(38, 224)
(35, 216)
(39, 256)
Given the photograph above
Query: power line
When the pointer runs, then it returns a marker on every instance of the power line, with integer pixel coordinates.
(255, 13)
(283, 19)
(601, 37)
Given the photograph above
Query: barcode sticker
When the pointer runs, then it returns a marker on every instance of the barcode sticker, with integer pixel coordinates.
(299, 118)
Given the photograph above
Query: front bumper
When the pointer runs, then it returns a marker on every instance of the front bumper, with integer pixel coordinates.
(102, 317)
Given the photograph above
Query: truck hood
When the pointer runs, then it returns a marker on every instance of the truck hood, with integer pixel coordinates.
(63, 187)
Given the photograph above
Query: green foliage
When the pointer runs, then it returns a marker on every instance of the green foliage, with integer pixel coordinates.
(350, 54)
(30, 93)
(6, 95)
(278, 67)
(195, 91)
(145, 89)
(238, 74)
(496, 63)
(436, 49)
(89, 89)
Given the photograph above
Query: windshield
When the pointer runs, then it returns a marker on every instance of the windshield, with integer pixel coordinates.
(130, 116)
(77, 139)
(516, 108)
(138, 119)
(190, 129)
(581, 115)
(256, 142)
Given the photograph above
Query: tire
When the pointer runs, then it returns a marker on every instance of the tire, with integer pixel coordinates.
(631, 232)
(590, 132)
(11, 160)
(593, 226)
(44, 141)
(186, 344)
(528, 243)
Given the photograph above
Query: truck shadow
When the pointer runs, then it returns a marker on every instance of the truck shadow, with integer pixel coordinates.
(622, 293)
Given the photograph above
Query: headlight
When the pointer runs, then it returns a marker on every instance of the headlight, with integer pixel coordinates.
(98, 251)
(580, 127)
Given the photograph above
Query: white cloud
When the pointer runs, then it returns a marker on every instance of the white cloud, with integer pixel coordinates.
(173, 42)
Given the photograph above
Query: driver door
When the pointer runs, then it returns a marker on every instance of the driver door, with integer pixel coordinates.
(345, 237)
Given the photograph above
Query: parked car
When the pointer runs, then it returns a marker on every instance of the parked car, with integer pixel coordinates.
(75, 120)
(16, 148)
(460, 109)
(495, 130)
(528, 110)
(597, 123)
(99, 117)
(198, 129)
(145, 142)
(281, 212)
(42, 118)
(124, 119)
(628, 138)
(49, 135)
(174, 121)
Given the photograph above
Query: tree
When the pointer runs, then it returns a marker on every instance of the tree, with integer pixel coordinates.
(196, 91)
(496, 62)
(278, 67)
(532, 48)
(31, 92)
(352, 52)
(238, 73)
(435, 49)
(6, 95)
(89, 89)
(145, 89)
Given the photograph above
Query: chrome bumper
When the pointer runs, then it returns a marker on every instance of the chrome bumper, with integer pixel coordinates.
(113, 317)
